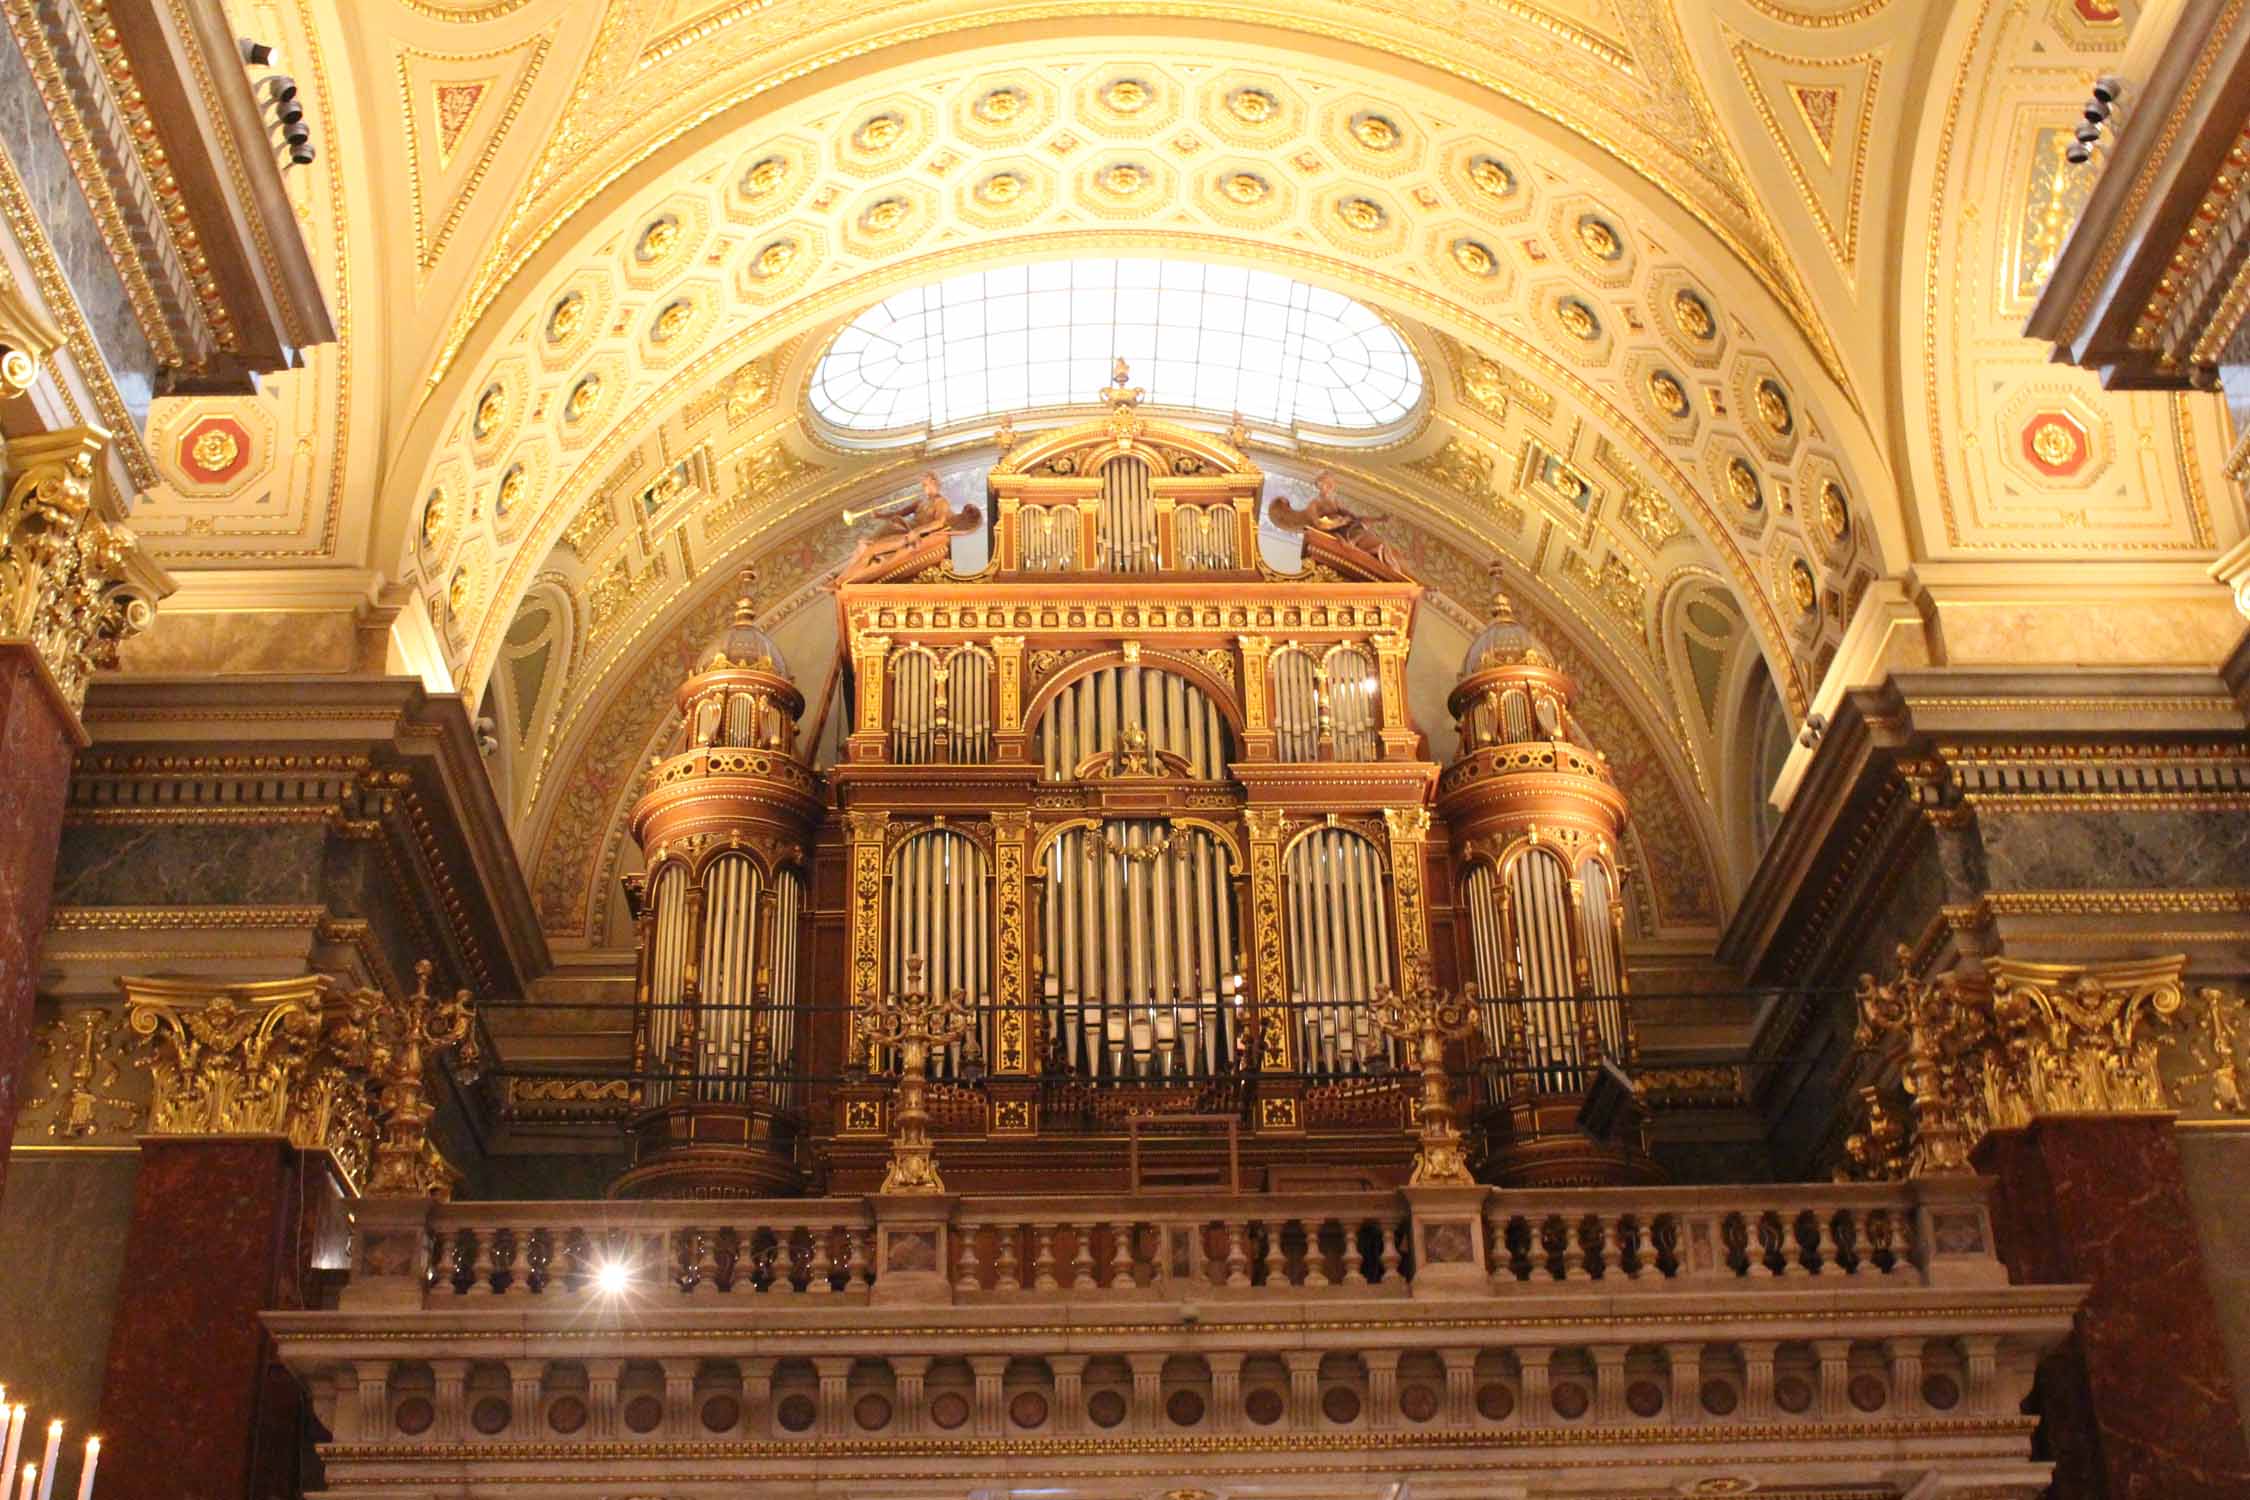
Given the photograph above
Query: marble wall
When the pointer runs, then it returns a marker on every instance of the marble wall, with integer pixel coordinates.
(2215, 1158)
(36, 745)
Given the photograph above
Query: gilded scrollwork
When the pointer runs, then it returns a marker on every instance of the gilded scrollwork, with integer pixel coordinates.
(72, 581)
(77, 1069)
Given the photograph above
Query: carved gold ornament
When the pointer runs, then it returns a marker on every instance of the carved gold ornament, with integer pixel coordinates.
(1253, 106)
(774, 259)
(1835, 512)
(1670, 396)
(1001, 106)
(1773, 408)
(671, 320)
(508, 493)
(1128, 96)
(1599, 238)
(884, 215)
(69, 577)
(1123, 179)
(2054, 444)
(1245, 188)
(457, 593)
(1486, 384)
(658, 239)
(583, 398)
(565, 316)
(18, 369)
(1693, 315)
(914, 1022)
(215, 448)
(1492, 177)
(1426, 1018)
(1804, 592)
(1475, 257)
(492, 405)
(1362, 214)
(764, 176)
(1742, 484)
(1375, 132)
(1000, 189)
(879, 132)
(76, 1063)
(434, 514)
(1577, 318)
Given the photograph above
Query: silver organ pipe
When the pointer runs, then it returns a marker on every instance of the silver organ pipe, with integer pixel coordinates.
(1480, 895)
(1539, 902)
(781, 982)
(728, 978)
(938, 912)
(1047, 538)
(1127, 517)
(1296, 704)
(1355, 711)
(1605, 974)
(667, 980)
(1338, 948)
(1515, 716)
(1087, 716)
(968, 703)
(940, 705)
(1205, 536)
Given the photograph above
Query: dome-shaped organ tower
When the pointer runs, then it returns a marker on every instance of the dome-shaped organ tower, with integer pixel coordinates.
(725, 826)
(1536, 823)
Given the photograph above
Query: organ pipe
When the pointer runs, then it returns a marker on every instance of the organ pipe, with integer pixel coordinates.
(938, 911)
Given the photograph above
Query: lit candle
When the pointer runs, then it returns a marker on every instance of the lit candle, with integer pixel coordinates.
(86, 1475)
(30, 1481)
(47, 1464)
(16, 1416)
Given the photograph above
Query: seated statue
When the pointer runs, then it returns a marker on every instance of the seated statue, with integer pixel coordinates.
(1328, 516)
(911, 522)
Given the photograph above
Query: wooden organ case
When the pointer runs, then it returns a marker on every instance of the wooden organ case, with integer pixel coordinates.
(1152, 806)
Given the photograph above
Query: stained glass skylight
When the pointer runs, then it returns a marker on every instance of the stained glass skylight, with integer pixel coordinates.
(1214, 338)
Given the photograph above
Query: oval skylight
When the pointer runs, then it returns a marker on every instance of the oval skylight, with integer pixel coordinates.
(1214, 338)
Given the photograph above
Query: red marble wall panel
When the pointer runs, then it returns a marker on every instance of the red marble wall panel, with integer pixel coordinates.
(37, 741)
(2140, 1405)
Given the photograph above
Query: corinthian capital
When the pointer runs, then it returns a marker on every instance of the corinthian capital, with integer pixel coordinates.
(73, 581)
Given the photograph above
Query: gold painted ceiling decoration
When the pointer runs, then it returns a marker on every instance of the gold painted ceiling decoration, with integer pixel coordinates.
(1819, 113)
(459, 108)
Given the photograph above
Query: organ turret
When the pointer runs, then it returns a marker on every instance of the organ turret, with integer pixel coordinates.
(1536, 823)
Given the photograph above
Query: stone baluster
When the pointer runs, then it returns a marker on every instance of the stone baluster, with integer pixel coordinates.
(527, 1379)
(1538, 1366)
(1304, 1387)
(1686, 1406)
(679, 1398)
(970, 1277)
(1388, 1258)
(1316, 1259)
(1004, 1268)
(1274, 1261)
(1353, 1275)
(1082, 1257)
(823, 1264)
(1835, 1375)
(1226, 1389)
(1609, 1384)
(1460, 1387)
(1826, 1252)
(503, 1273)
(1121, 1255)
(857, 1272)
(601, 1397)
(834, 1371)
(1070, 1391)
(1607, 1249)
(478, 1243)
(1757, 1379)
(451, 1400)
(911, 1371)
(1043, 1258)
(1792, 1251)
(1905, 1356)
(1382, 1387)
(1238, 1254)
(1148, 1389)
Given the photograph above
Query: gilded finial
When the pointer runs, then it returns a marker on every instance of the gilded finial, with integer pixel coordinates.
(745, 605)
(1503, 608)
(1117, 393)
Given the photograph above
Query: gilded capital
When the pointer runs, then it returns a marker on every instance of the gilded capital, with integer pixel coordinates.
(73, 581)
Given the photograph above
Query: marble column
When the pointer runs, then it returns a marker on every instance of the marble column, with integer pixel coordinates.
(2140, 1401)
(38, 737)
(220, 1232)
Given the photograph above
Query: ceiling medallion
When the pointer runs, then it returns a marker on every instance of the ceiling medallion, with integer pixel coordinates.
(1599, 238)
(434, 519)
(774, 259)
(764, 176)
(492, 405)
(658, 240)
(1375, 132)
(509, 491)
(564, 317)
(671, 320)
(1475, 257)
(1123, 179)
(1803, 591)
(880, 132)
(884, 215)
(1245, 188)
(1486, 385)
(1671, 396)
(457, 593)
(1492, 177)
(582, 398)
(1001, 106)
(1773, 408)
(1253, 106)
(1742, 484)
(1835, 514)
(214, 448)
(1693, 315)
(1000, 189)
(1577, 319)
(1128, 96)
(1362, 214)
(2055, 443)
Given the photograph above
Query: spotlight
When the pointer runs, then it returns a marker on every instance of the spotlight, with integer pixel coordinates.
(279, 87)
(2109, 88)
(290, 114)
(256, 54)
(612, 1278)
(297, 135)
(301, 156)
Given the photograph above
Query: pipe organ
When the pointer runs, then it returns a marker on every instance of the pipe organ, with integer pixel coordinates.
(1536, 822)
(726, 827)
(1151, 809)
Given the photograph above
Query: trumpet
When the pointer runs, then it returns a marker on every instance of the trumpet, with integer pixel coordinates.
(854, 517)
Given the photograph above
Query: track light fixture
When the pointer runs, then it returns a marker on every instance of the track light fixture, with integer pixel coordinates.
(2107, 90)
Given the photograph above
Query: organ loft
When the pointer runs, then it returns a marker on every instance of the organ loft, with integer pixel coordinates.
(1138, 792)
